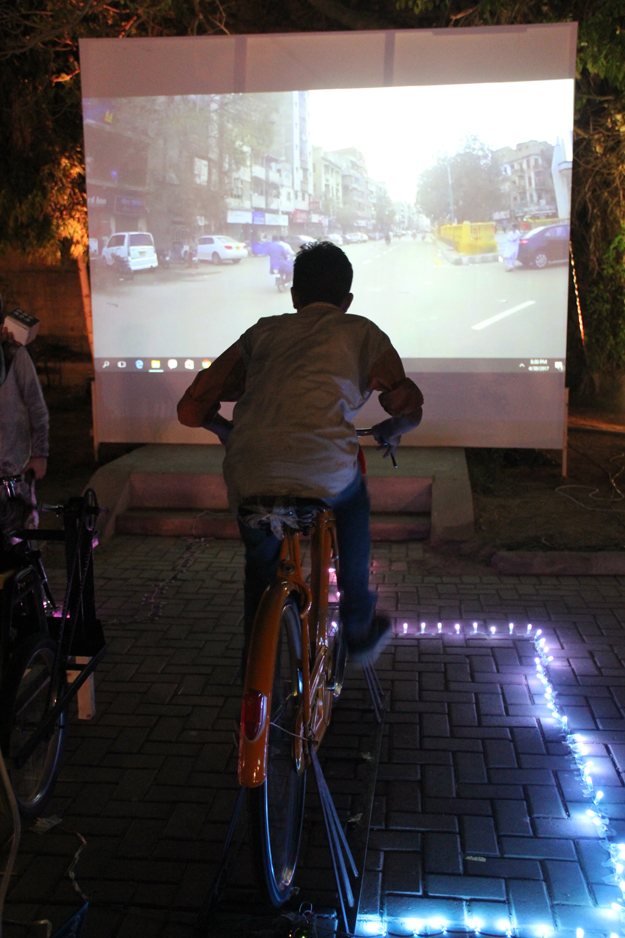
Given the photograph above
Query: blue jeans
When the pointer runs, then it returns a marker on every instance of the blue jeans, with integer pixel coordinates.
(262, 551)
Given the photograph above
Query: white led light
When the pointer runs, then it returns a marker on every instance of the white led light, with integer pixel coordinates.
(440, 626)
(405, 627)
(511, 627)
(374, 928)
(529, 627)
(539, 632)
(414, 924)
(423, 626)
(493, 629)
(457, 628)
(579, 933)
(598, 795)
(475, 626)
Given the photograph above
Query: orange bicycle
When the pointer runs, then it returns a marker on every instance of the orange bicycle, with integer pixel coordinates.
(295, 669)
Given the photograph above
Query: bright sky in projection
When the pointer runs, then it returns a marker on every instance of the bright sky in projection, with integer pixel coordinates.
(401, 131)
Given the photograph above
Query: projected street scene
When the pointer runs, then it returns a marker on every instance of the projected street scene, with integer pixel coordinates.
(452, 203)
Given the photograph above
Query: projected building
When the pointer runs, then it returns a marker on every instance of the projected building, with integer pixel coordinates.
(527, 181)
(117, 176)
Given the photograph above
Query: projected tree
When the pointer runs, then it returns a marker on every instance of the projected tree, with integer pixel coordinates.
(199, 151)
(464, 186)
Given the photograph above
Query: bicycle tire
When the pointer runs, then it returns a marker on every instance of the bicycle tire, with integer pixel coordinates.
(276, 808)
(23, 705)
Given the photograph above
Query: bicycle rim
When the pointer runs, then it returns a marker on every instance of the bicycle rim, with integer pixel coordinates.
(277, 806)
(24, 704)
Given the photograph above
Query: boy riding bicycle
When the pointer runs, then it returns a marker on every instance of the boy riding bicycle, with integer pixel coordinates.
(299, 381)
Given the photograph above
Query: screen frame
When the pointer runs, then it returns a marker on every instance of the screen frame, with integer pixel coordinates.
(112, 68)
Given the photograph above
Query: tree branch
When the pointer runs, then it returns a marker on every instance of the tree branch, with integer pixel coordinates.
(336, 11)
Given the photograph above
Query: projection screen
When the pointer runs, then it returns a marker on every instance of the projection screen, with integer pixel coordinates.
(440, 160)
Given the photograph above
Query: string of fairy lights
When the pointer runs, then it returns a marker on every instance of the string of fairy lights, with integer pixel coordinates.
(505, 927)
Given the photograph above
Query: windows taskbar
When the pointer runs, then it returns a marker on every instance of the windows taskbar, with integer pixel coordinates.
(151, 365)
(168, 365)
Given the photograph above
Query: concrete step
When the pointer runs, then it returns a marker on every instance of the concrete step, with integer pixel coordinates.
(171, 522)
(205, 490)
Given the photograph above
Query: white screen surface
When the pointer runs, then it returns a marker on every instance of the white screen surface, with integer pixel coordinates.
(188, 140)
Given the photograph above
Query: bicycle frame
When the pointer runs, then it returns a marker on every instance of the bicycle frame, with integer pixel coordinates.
(316, 693)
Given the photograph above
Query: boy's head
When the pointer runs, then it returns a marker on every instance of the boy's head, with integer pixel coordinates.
(322, 273)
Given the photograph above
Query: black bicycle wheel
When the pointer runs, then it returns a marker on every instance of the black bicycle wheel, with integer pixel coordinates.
(277, 806)
(24, 701)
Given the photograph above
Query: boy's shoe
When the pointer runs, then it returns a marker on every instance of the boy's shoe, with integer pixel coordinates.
(367, 650)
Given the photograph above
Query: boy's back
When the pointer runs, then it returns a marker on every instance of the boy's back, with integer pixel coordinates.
(306, 378)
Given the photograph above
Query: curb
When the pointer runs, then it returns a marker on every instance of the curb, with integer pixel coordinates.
(560, 563)
(458, 260)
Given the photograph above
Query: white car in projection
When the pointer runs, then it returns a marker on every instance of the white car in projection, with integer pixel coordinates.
(134, 247)
(219, 248)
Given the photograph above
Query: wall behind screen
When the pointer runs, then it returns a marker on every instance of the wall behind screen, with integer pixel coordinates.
(498, 409)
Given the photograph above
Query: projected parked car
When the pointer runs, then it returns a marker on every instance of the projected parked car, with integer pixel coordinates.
(219, 248)
(136, 248)
(545, 245)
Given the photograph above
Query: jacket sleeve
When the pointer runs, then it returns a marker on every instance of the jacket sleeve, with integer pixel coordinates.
(223, 381)
(32, 395)
(400, 396)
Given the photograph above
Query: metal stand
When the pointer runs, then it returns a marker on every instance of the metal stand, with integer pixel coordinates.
(339, 848)
(375, 690)
(222, 869)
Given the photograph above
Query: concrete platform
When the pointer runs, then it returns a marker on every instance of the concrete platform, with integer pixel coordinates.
(178, 489)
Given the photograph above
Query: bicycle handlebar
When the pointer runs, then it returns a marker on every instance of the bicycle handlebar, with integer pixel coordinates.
(368, 431)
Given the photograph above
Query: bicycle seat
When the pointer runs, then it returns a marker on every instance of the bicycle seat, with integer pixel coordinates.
(278, 511)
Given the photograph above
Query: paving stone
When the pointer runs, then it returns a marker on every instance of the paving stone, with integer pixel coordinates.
(402, 872)
(499, 754)
(567, 883)
(465, 887)
(544, 800)
(479, 836)
(530, 903)
(442, 853)
(536, 848)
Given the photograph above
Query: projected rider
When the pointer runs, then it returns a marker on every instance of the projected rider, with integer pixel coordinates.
(299, 381)
(281, 257)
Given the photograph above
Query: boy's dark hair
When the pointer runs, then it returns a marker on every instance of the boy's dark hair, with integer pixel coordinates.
(322, 273)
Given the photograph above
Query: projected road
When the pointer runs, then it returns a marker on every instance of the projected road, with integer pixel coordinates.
(429, 307)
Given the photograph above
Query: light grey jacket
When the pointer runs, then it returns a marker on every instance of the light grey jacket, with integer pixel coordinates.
(24, 420)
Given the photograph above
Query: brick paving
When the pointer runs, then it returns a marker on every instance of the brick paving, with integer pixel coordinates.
(479, 813)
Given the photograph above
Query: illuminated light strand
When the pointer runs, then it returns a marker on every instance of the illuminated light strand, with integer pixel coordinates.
(579, 750)
(437, 926)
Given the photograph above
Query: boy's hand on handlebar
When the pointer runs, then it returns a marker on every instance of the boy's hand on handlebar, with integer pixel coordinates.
(386, 437)
(220, 427)
(389, 432)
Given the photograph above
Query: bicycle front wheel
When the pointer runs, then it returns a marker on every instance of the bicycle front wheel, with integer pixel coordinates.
(24, 702)
(277, 806)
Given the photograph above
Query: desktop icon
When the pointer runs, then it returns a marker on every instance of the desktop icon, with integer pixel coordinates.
(139, 364)
(172, 363)
(206, 363)
(121, 364)
(189, 364)
(559, 366)
(155, 363)
(106, 364)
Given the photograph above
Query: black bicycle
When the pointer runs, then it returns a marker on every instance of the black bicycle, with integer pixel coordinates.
(41, 643)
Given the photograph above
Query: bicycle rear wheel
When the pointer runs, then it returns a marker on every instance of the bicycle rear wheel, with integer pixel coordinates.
(277, 806)
(24, 702)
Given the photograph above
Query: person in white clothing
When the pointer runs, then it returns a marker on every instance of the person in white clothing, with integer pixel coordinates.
(299, 381)
(510, 250)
